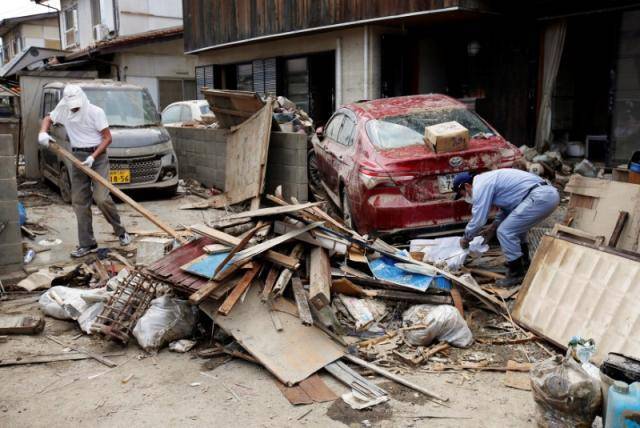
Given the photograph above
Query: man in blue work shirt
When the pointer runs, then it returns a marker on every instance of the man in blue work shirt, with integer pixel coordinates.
(524, 199)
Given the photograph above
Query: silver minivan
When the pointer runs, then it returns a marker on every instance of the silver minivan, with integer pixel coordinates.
(141, 155)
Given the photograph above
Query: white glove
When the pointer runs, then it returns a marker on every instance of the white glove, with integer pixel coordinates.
(88, 162)
(43, 139)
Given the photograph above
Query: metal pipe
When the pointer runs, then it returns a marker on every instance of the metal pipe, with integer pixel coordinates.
(338, 72)
(365, 71)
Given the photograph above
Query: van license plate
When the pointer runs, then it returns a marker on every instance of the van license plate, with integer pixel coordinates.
(120, 176)
(445, 183)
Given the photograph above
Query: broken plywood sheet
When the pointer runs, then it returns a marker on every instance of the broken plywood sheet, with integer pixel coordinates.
(596, 204)
(291, 355)
(247, 148)
(572, 289)
(232, 107)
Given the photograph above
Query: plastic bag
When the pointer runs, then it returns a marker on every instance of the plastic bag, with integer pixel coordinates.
(166, 320)
(88, 317)
(79, 298)
(565, 394)
(444, 323)
(447, 250)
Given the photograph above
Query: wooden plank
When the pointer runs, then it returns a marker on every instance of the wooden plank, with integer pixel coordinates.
(272, 276)
(21, 325)
(239, 247)
(319, 278)
(107, 362)
(285, 275)
(291, 356)
(623, 216)
(301, 301)
(247, 148)
(113, 189)
(239, 289)
(263, 212)
(224, 238)
(249, 253)
(294, 394)
(331, 243)
(49, 358)
(395, 378)
(204, 292)
(317, 389)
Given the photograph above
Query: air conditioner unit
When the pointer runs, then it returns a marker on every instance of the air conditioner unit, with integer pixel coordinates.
(100, 32)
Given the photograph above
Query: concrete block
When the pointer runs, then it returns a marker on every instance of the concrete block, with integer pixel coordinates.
(7, 167)
(289, 174)
(287, 140)
(7, 145)
(11, 234)
(8, 189)
(11, 254)
(9, 210)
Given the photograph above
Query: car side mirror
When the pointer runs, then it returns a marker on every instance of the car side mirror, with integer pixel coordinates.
(320, 132)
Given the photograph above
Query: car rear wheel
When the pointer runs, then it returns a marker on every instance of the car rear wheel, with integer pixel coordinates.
(65, 184)
(346, 211)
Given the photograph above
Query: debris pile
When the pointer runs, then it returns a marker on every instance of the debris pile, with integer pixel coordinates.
(291, 118)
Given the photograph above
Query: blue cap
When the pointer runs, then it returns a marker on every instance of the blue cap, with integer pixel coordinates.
(459, 180)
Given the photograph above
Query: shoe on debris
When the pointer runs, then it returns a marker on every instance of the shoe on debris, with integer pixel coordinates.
(515, 274)
(125, 239)
(83, 251)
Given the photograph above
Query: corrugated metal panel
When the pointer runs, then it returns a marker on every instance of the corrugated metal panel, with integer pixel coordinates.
(270, 76)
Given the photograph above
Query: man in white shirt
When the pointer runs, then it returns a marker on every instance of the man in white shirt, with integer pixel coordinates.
(88, 131)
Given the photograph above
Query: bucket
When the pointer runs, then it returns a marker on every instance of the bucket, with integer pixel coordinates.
(634, 172)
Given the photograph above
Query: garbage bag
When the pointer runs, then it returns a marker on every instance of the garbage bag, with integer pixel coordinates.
(80, 299)
(443, 322)
(88, 317)
(564, 393)
(166, 320)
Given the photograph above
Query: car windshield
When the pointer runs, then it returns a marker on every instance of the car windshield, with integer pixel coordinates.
(124, 107)
(408, 129)
(204, 109)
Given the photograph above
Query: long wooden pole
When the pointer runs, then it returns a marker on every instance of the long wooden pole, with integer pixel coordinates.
(119, 193)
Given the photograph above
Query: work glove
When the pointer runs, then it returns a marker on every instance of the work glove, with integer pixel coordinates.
(43, 139)
(88, 162)
(464, 243)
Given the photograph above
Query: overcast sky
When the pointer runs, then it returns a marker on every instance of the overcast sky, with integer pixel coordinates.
(12, 8)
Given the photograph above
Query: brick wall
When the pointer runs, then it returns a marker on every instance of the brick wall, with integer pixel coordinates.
(202, 154)
(10, 237)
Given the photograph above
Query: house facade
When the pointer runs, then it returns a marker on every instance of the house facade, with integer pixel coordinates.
(540, 71)
(135, 41)
(19, 33)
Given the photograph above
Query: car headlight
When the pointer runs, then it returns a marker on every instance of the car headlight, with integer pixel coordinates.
(167, 160)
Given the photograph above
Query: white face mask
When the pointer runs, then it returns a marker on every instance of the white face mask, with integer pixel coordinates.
(468, 199)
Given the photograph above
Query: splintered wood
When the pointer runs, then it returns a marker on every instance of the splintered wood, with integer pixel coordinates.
(319, 278)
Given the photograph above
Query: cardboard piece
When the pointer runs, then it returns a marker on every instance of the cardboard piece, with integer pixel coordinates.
(596, 205)
(573, 289)
(447, 137)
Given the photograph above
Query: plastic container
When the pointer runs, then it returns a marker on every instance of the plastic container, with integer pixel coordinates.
(29, 255)
(623, 405)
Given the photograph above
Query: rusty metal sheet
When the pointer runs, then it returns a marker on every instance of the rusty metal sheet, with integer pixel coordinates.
(291, 355)
(572, 289)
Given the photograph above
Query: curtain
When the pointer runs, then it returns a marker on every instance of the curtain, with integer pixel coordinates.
(554, 35)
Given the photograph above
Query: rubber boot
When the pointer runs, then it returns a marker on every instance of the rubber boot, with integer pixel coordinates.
(515, 274)
(526, 261)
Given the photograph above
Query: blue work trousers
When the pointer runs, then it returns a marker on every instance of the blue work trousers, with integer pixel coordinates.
(536, 206)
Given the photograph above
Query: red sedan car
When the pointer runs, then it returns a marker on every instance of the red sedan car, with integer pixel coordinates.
(375, 165)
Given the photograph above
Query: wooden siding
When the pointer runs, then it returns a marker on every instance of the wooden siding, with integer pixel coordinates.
(208, 23)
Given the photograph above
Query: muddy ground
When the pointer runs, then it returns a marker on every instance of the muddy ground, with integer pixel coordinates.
(172, 389)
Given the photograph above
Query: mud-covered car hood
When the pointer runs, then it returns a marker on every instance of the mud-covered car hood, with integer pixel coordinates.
(125, 138)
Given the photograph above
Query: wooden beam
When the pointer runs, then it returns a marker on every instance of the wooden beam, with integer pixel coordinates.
(239, 289)
(272, 276)
(319, 278)
(119, 193)
(49, 358)
(263, 212)
(239, 247)
(617, 231)
(224, 238)
(232, 112)
(107, 362)
(285, 275)
(304, 313)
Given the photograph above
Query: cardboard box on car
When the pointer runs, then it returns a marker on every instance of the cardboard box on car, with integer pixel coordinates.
(447, 137)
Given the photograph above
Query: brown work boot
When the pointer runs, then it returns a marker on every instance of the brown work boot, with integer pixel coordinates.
(515, 274)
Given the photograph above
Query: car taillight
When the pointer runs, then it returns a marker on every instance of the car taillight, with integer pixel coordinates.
(372, 178)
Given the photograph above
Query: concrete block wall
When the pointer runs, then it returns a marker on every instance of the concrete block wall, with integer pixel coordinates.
(10, 237)
(202, 154)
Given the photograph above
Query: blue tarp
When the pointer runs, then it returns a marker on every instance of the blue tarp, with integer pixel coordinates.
(384, 268)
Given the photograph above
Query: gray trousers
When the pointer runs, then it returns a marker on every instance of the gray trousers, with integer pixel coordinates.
(82, 194)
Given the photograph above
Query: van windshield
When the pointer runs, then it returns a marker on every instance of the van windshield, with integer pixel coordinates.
(408, 129)
(124, 107)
